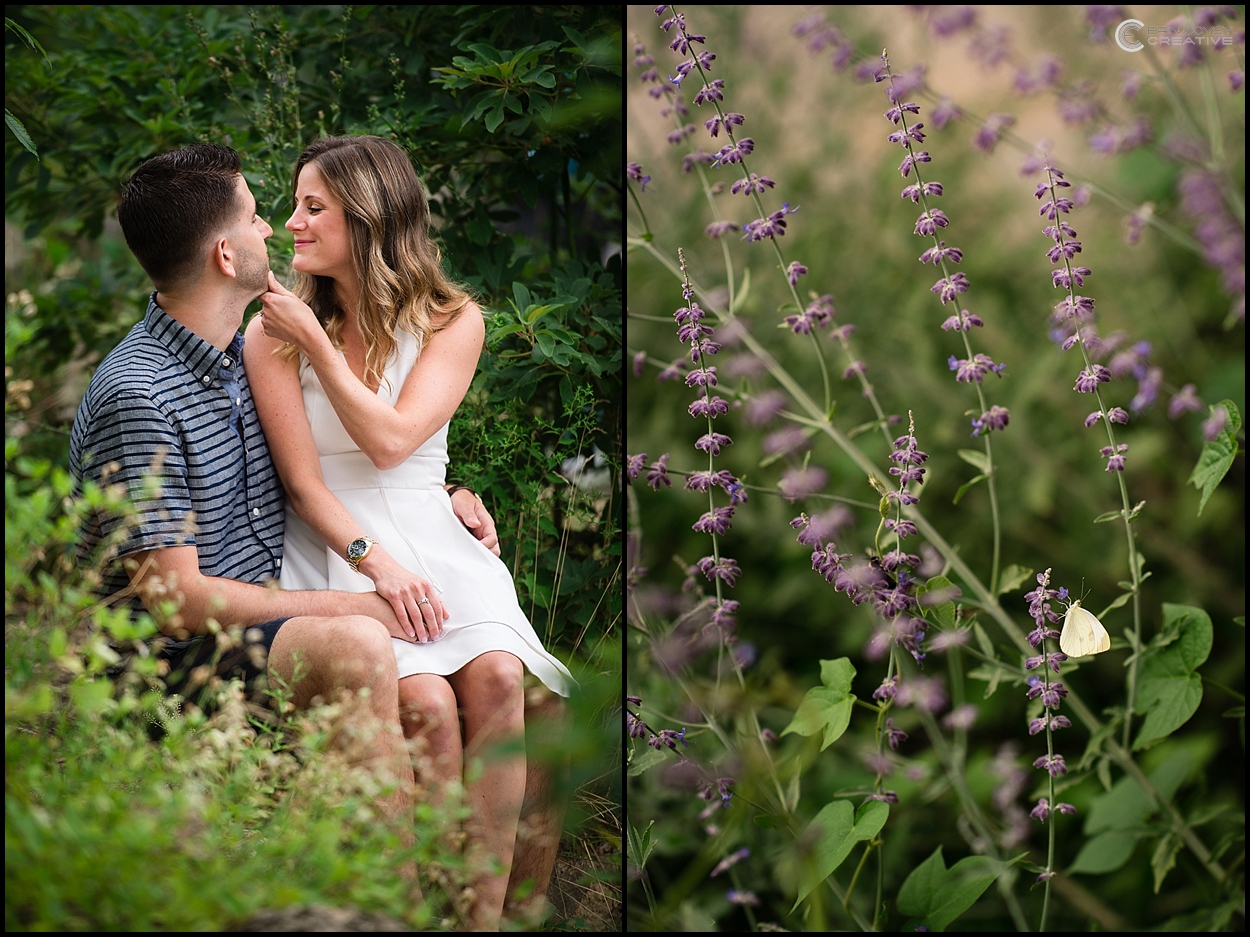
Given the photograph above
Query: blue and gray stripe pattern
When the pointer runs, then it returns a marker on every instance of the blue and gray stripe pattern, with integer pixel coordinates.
(167, 401)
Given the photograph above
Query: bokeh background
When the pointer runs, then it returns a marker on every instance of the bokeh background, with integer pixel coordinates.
(820, 134)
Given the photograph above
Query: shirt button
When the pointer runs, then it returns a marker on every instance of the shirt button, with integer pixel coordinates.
(207, 379)
(238, 400)
(256, 512)
(226, 362)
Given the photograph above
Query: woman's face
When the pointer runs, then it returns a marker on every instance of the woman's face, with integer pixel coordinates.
(320, 228)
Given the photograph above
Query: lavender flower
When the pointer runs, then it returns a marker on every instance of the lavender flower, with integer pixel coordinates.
(633, 465)
(730, 861)
(794, 271)
(974, 369)
(889, 797)
(659, 473)
(961, 717)
(893, 735)
(995, 418)
(1053, 764)
(987, 136)
(887, 690)
(1114, 457)
(801, 482)
(1185, 399)
(634, 171)
(1042, 810)
(741, 897)
(773, 226)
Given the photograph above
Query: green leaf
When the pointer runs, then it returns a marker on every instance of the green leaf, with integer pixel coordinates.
(937, 600)
(640, 846)
(963, 489)
(1109, 516)
(740, 297)
(1012, 578)
(1115, 603)
(647, 760)
(1164, 859)
(976, 459)
(494, 118)
(938, 895)
(771, 821)
(1218, 455)
(18, 130)
(1169, 692)
(1106, 852)
(826, 708)
(832, 835)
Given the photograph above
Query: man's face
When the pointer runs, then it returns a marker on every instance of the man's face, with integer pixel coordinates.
(248, 240)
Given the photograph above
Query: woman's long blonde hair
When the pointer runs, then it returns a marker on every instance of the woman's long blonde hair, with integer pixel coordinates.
(402, 285)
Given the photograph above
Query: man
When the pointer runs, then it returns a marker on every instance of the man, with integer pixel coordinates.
(174, 395)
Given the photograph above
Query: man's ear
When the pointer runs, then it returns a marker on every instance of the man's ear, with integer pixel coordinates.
(223, 258)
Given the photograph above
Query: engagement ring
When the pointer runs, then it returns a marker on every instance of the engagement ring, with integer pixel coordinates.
(423, 601)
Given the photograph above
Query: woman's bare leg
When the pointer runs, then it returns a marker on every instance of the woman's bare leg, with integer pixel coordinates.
(427, 708)
(489, 689)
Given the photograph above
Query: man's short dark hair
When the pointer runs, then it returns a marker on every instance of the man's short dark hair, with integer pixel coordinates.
(175, 204)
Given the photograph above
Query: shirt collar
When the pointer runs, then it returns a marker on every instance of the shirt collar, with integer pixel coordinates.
(201, 358)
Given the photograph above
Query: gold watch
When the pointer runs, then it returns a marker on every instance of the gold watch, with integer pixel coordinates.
(357, 550)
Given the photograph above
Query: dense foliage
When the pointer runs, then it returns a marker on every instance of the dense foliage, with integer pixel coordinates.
(837, 732)
(511, 116)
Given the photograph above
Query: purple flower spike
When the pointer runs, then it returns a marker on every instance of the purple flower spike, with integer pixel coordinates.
(712, 442)
(948, 288)
(1090, 378)
(995, 418)
(887, 690)
(905, 167)
(1053, 764)
(929, 221)
(633, 465)
(794, 271)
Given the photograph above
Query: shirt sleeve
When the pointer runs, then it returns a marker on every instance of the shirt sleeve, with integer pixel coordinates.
(131, 441)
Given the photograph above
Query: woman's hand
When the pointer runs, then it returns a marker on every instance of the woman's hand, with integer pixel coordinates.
(288, 318)
(419, 609)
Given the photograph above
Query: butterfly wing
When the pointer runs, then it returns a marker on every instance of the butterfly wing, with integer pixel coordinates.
(1078, 638)
(1102, 639)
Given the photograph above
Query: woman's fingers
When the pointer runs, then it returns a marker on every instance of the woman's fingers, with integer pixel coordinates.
(405, 620)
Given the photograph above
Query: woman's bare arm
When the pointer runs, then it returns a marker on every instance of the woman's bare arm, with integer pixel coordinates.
(430, 395)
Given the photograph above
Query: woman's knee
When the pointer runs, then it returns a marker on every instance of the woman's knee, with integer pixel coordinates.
(428, 698)
(493, 680)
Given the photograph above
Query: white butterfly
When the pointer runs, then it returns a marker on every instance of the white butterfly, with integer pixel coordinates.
(1083, 633)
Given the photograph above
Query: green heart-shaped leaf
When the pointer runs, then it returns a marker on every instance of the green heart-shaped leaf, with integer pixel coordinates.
(937, 895)
(833, 833)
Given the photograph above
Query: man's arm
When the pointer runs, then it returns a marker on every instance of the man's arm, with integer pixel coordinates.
(174, 573)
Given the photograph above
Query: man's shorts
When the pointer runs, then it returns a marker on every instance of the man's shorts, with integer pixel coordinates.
(193, 663)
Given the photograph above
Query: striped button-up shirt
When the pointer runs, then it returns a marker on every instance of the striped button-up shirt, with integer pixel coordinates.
(167, 404)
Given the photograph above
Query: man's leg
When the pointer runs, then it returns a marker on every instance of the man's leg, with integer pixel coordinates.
(352, 653)
(542, 815)
(490, 691)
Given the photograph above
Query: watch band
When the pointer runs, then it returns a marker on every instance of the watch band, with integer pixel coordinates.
(454, 488)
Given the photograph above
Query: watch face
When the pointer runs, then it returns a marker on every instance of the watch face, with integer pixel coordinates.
(356, 549)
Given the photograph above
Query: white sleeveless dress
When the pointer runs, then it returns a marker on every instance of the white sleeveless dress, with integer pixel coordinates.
(409, 513)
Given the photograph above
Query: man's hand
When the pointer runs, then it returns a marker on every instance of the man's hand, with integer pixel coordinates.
(473, 514)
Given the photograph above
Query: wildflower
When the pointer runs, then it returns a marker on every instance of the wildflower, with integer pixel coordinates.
(1055, 722)
(887, 690)
(1114, 457)
(974, 368)
(764, 406)
(752, 183)
(800, 483)
(1211, 428)
(910, 161)
(1053, 764)
(725, 569)
(730, 861)
(634, 171)
(948, 288)
(929, 221)
(961, 717)
(854, 368)
(709, 406)
(794, 271)
(935, 255)
(659, 473)
(962, 321)
(774, 226)
(723, 614)
(712, 442)
(995, 418)
(893, 735)
(1185, 399)
(987, 136)
(1090, 378)
(633, 465)
(741, 897)
(944, 112)
(923, 692)
(718, 229)
(902, 529)
(784, 440)
(889, 797)
(1052, 660)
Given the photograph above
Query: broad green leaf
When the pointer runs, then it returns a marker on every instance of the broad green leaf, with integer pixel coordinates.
(1106, 852)
(1171, 701)
(1169, 692)
(976, 459)
(494, 118)
(832, 835)
(647, 760)
(828, 707)
(1164, 859)
(1012, 578)
(1217, 456)
(938, 895)
(963, 489)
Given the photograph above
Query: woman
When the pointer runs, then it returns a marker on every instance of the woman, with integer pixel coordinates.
(355, 376)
